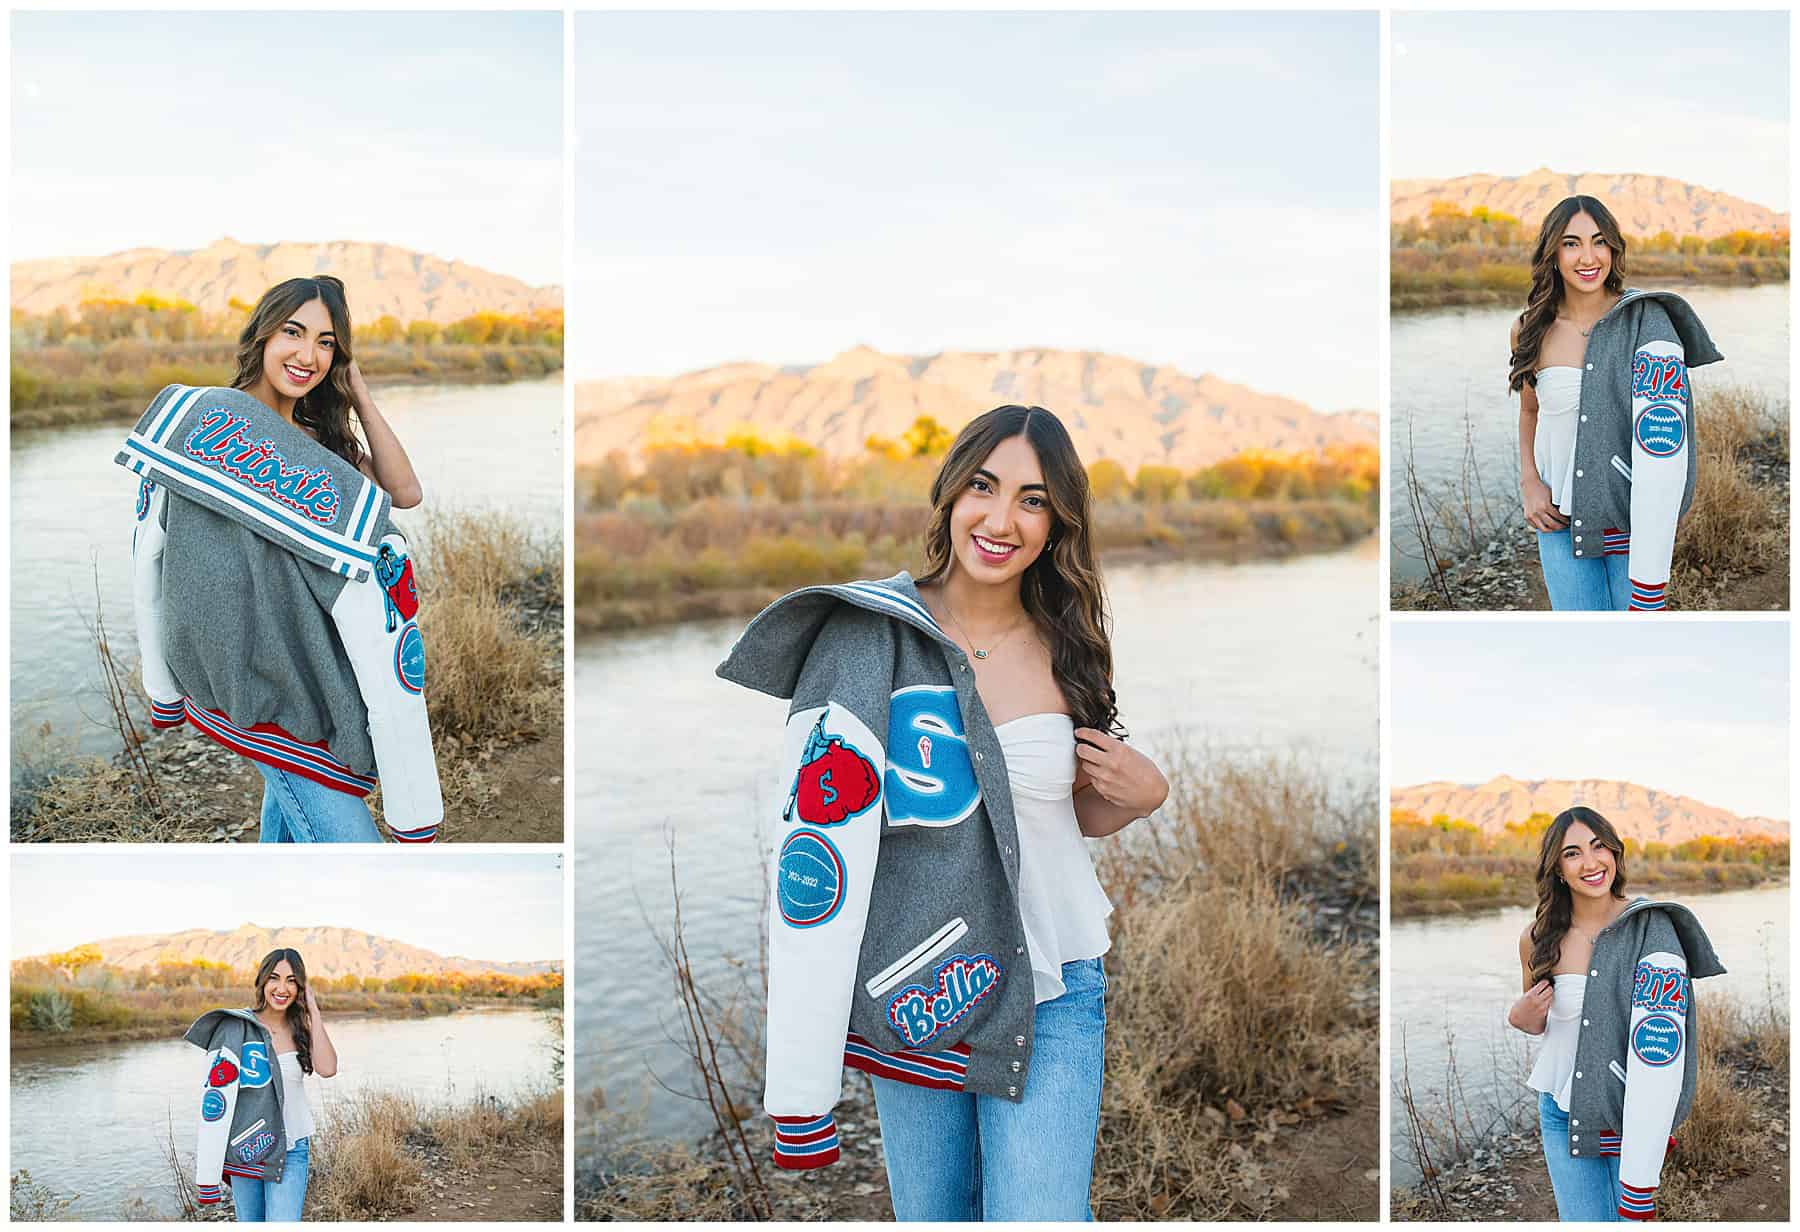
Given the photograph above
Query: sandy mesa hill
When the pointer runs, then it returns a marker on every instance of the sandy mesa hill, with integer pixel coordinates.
(1644, 204)
(1114, 407)
(381, 279)
(1638, 812)
(329, 952)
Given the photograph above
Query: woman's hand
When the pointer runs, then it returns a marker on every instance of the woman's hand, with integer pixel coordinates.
(359, 388)
(1531, 1011)
(1124, 777)
(1541, 513)
(312, 1004)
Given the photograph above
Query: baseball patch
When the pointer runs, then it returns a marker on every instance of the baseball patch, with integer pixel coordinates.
(212, 1106)
(809, 879)
(921, 1014)
(1656, 1040)
(409, 659)
(835, 782)
(1661, 430)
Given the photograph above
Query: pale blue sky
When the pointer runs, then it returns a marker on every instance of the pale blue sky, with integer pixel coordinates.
(504, 908)
(1700, 709)
(1194, 189)
(1702, 97)
(440, 132)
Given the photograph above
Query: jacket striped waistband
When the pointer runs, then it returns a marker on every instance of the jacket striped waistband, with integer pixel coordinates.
(269, 744)
(946, 1070)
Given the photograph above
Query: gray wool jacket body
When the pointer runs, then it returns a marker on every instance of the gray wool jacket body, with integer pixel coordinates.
(929, 859)
(1601, 491)
(242, 1127)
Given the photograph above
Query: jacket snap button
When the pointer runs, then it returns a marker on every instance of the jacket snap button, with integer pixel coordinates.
(1578, 474)
(1013, 1091)
(1574, 1122)
(1578, 521)
(1590, 367)
(1019, 1040)
(1578, 1073)
(978, 759)
(1016, 1065)
(1577, 538)
(1584, 1022)
(1020, 950)
(1009, 851)
(1575, 1152)
(1594, 972)
(962, 667)
(1584, 419)
(1574, 1137)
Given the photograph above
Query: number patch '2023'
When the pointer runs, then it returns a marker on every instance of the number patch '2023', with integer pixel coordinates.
(930, 780)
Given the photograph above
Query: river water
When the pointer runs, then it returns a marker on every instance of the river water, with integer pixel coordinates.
(1237, 657)
(1449, 369)
(474, 447)
(1455, 977)
(91, 1119)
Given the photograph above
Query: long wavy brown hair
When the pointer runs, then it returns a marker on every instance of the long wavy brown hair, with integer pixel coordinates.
(1547, 281)
(325, 410)
(1061, 590)
(296, 1015)
(1555, 905)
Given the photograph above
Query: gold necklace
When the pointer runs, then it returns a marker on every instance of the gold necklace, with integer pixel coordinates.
(982, 654)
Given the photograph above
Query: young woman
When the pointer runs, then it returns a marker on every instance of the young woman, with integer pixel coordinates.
(1606, 464)
(1607, 983)
(964, 728)
(255, 1120)
(275, 602)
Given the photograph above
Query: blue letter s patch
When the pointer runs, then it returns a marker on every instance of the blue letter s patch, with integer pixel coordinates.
(930, 780)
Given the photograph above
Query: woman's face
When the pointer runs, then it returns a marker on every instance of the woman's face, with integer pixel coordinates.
(1001, 520)
(1586, 864)
(282, 987)
(1583, 256)
(298, 354)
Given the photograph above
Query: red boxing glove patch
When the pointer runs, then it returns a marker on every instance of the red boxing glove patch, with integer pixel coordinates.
(224, 1073)
(835, 782)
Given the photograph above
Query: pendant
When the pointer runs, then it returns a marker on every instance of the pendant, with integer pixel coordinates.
(981, 654)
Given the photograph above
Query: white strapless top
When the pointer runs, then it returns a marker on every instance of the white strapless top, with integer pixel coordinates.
(1061, 903)
(1553, 447)
(296, 1112)
(1555, 1066)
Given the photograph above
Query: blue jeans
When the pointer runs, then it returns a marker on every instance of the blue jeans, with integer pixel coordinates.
(275, 1201)
(1593, 582)
(957, 1157)
(298, 810)
(1587, 1187)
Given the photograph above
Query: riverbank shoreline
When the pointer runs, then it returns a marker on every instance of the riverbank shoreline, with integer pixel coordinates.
(614, 595)
(1498, 283)
(37, 1041)
(1404, 908)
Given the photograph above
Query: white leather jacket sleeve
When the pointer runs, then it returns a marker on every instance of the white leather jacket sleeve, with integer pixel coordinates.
(147, 540)
(827, 836)
(374, 619)
(1661, 432)
(218, 1101)
(1654, 1066)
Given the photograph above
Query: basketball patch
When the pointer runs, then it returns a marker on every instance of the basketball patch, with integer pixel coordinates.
(1661, 430)
(409, 659)
(1656, 1040)
(809, 880)
(212, 1106)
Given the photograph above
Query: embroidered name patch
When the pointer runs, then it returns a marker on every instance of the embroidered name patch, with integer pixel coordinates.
(223, 1073)
(212, 1106)
(256, 1147)
(809, 879)
(409, 659)
(1656, 1040)
(219, 442)
(1660, 988)
(921, 1014)
(1661, 430)
(835, 782)
(930, 780)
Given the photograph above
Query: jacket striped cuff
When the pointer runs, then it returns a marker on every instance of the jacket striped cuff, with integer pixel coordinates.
(206, 1195)
(1616, 542)
(1635, 1203)
(167, 714)
(805, 1142)
(1647, 596)
(1609, 1143)
(425, 834)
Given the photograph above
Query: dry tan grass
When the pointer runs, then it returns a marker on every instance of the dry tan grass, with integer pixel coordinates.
(1734, 525)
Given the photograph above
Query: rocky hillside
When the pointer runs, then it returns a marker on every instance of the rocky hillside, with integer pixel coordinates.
(1638, 812)
(1643, 204)
(328, 952)
(1114, 407)
(381, 279)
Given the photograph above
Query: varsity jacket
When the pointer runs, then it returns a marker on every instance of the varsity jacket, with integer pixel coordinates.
(1634, 454)
(242, 1132)
(895, 945)
(1634, 1064)
(275, 603)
